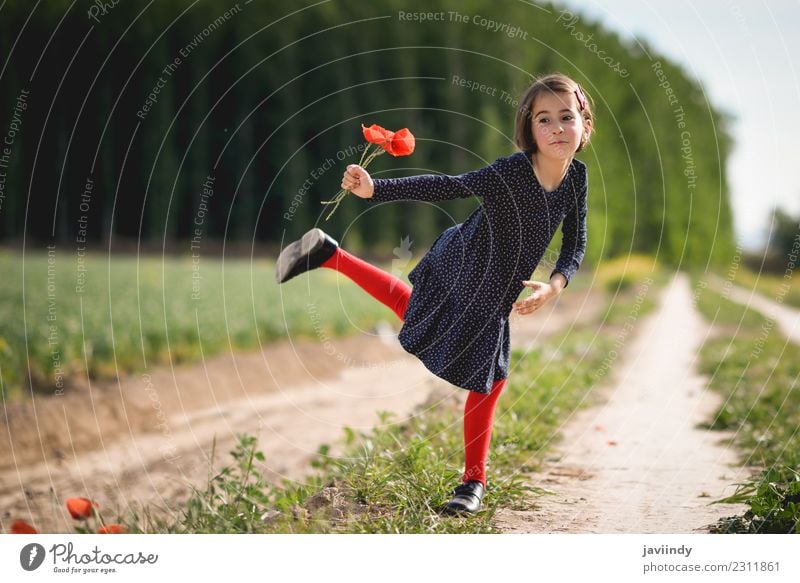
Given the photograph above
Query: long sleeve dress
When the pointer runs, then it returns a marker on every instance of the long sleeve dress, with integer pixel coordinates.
(456, 321)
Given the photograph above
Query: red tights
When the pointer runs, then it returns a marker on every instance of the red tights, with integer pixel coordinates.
(394, 293)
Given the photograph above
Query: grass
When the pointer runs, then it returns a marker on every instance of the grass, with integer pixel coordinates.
(133, 314)
(395, 478)
(756, 371)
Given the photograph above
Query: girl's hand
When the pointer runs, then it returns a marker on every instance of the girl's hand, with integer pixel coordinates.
(542, 292)
(358, 181)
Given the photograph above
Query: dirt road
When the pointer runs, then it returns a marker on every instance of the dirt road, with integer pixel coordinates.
(786, 317)
(640, 463)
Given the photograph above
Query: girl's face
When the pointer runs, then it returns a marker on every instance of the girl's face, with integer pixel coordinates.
(557, 125)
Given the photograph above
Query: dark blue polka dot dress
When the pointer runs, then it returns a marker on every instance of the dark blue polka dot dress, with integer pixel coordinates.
(456, 322)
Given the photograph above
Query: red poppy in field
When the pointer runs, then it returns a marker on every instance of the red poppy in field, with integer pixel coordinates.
(403, 143)
(80, 507)
(22, 527)
(112, 529)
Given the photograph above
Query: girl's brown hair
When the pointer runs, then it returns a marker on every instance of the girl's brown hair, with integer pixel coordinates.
(555, 83)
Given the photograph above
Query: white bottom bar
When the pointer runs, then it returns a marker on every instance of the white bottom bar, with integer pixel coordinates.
(396, 558)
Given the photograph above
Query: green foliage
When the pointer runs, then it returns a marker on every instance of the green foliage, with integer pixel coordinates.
(235, 498)
(774, 502)
(784, 240)
(624, 273)
(756, 369)
(278, 89)
(136, 313)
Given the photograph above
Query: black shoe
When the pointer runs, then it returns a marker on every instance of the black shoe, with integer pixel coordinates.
(467, 498)
(307, 253)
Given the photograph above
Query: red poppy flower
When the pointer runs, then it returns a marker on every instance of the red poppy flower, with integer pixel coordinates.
(403, 143)
(22, 527)
(80, 507)
(400, 143)
(375, 134)
(111, 529)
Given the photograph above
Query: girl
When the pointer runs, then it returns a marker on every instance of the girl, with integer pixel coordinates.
(455, 318)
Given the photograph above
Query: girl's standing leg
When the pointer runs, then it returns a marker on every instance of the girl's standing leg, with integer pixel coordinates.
(478, 420)
(384, 287)
(478, 409)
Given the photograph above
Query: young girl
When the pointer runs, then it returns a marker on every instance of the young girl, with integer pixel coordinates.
(455, 318)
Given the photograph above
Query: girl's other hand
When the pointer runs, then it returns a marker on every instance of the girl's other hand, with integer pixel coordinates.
(541, 293)
(358, 181)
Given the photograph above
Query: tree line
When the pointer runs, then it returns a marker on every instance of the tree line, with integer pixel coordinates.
(132, 110)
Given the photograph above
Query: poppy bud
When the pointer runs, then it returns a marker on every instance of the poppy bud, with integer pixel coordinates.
(403, 143)
(22, 527)
(80, 508)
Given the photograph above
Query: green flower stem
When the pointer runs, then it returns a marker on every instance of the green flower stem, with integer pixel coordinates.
(366, 157)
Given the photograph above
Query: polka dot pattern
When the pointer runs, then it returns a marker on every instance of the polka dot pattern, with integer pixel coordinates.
(464, 287)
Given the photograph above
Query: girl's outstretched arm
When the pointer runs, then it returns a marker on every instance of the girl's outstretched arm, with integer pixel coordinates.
(573, 239)
(542, 292)
(483, 182)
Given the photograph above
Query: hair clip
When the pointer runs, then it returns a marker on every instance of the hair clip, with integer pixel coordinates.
(581, 98)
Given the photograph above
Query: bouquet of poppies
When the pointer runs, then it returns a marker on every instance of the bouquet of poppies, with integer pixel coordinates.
(399, 143)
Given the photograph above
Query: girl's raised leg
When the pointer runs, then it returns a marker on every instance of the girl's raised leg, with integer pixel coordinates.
(384, 287)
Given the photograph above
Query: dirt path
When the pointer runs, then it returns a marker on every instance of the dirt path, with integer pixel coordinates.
(147, 438)
(786, 317)
(639, 463)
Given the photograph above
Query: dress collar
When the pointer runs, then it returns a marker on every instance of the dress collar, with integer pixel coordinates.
(526, 159)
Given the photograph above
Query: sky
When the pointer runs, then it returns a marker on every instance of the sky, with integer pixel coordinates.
(746, 55)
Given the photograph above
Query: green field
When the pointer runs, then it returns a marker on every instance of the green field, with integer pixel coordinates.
(122, 313)
(101, 316)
